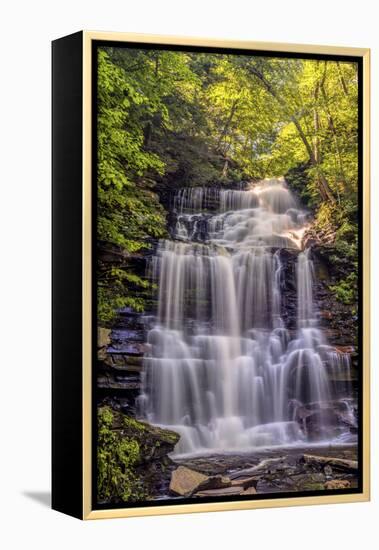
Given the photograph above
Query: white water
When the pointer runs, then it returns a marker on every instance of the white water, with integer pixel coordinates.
(223, 370)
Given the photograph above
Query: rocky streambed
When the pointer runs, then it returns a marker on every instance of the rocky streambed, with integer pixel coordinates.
(267, 471)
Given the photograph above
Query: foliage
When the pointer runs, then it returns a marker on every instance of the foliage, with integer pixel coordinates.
(346, 289)
(346, 259)
(173, 119)
(129, 212)
(116, 458)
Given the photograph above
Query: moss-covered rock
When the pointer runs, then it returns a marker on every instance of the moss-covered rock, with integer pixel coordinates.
(154, 442)
(131, 457)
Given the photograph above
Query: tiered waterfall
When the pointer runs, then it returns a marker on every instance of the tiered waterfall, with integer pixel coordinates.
(222, 368)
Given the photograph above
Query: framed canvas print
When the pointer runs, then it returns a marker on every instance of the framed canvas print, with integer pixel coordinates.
(210, 275)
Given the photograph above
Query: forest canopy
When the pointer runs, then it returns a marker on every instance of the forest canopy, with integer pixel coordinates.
(173, 119)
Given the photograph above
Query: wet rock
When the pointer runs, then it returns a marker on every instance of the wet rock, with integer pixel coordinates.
(331, 418)
(318, 423)
(344, 349)
(337, 484)
(327, 419)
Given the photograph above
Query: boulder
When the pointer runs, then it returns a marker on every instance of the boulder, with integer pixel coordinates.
(185, 482)
(337, 484)
(154, 443)
(320, 422)
(318, 418)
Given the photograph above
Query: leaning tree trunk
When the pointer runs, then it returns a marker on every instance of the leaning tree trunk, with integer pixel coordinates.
(227, 123)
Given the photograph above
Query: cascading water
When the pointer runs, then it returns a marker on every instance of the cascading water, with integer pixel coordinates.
(222, 369)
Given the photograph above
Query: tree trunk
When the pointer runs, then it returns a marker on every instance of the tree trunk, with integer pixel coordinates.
(324, 187)
(225, 168)
(148, 130)
(342, 80)
(227, 123)
(335, 138)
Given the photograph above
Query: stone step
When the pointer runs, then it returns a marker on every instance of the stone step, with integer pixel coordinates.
(130, 348)
(125, 368)
(126, 335)
(123, 360)
(105, 382)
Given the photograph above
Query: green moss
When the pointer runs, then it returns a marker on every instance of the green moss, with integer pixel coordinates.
(134, 424)
(127, 454)
(116, 458)
(170, 436)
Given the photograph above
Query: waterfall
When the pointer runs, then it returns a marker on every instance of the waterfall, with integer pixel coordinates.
(305, 309)
(194, 199)
(222, 369)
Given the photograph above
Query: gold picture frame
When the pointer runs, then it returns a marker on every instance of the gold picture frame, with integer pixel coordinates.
(85, 509)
